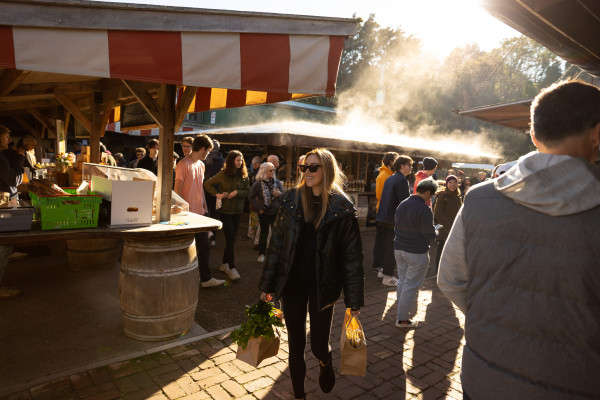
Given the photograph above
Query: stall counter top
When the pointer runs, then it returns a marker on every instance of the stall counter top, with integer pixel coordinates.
(177, 226)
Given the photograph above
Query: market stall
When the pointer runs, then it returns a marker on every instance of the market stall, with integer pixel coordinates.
(359, 154)
(66, 63)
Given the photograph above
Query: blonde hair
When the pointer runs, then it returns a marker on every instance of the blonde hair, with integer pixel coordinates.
(333, 182)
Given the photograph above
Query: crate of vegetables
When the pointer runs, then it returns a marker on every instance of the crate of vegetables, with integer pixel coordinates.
(58, 208)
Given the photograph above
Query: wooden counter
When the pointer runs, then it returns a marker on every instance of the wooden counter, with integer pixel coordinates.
(159, 279)
(196, 223)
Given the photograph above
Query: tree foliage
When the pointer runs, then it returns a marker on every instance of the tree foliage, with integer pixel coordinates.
(385, 72)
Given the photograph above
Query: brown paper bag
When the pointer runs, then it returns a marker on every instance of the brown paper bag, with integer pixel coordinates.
(353, 347)
(259, 349)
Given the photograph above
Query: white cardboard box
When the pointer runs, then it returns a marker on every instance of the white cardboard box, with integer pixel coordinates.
(130, 202)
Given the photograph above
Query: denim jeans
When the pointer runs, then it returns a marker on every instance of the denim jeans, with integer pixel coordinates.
(230, 228)
(412, 269)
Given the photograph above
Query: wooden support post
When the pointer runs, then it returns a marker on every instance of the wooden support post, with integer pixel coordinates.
(166, 101)
(288, 163)
(95, 127)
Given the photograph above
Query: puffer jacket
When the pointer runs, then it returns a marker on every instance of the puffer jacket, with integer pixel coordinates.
(228, 184)
(339, 252)
(447, 204)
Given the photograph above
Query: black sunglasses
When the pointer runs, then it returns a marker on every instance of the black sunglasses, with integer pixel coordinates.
(311, 167)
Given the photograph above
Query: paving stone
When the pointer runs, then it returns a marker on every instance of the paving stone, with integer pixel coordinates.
(80, 381)
(258, 384)
(213, 380)
(234, 389)
(96, 389)
(126, 385)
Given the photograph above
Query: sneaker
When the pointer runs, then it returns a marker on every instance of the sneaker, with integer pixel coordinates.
(213, 243)
(326, 376)
(212, 282)
(9, 293)
(407, 324)
(389, 281)
(378, 271)
(231, 272)
(16, 256)
(261, 258)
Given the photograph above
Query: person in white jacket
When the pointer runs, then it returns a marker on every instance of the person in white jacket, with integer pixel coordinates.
(522, 261)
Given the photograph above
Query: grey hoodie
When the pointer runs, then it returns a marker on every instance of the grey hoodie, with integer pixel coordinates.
(523, 264)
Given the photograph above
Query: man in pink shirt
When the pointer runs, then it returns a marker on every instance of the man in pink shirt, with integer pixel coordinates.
(189, 177)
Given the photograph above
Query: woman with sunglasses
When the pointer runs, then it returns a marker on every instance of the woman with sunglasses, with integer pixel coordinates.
(465, 186)
(315, 251)
(264, 198)
(232, 182)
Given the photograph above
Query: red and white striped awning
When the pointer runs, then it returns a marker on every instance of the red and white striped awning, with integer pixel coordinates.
(248, 68)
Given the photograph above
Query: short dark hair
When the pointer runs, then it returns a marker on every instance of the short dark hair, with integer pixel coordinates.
(202, 142)
(564, 109)
(389, 158)
(188, 139)
(400, 161)
(427, 185)
(152, 144)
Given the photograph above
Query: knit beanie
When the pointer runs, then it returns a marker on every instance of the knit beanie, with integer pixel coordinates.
(450, 177)
(429, 163)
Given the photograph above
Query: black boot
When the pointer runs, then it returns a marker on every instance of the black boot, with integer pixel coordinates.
(327, 376)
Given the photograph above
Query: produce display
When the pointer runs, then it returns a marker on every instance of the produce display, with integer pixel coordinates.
(261, 318)
(43, 187)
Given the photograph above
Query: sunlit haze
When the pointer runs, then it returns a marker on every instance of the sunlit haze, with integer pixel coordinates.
(442, 25)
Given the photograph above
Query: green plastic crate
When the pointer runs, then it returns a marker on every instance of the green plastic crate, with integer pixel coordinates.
(67, 212)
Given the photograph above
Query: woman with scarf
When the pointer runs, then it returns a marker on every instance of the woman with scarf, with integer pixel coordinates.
(232, 182)
(264, 199)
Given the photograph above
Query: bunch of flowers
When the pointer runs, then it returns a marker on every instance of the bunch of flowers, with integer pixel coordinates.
(68, 158)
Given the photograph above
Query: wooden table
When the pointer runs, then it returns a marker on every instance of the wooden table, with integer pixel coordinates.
(159, 279)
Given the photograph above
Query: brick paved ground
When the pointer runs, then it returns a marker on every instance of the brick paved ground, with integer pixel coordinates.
(403, 364)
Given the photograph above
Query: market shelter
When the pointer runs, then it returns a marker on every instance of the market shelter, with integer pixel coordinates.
(87, 60)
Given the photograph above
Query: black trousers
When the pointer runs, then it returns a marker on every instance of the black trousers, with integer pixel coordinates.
(202, 252)
(378, 247)
(265, 221)
(387, 248)
(230, 228)
(299, 296)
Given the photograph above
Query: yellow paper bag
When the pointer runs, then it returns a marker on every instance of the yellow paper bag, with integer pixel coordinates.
(353, 347)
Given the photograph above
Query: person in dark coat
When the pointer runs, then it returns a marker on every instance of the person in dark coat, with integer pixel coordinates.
(264, 197)
(11, 175)
(315, 252)
(447, 204)
(395, 191)
(150, 160)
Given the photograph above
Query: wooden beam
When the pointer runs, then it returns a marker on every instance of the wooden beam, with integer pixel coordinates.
(10, 79)
(23, 105)
(105, 116)
(166, 134)
(183, 104)
(40, 117)
(26, 125)
(140, 91)
(74, 110)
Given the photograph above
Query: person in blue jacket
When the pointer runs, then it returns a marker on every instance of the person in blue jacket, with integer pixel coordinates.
(414, 231)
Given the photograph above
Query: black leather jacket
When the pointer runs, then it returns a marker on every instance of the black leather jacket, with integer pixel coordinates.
(339, 252)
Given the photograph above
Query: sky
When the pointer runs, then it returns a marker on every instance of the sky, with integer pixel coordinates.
(442, 25)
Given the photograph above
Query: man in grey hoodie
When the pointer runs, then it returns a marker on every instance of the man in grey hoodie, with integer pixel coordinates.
(522, 261)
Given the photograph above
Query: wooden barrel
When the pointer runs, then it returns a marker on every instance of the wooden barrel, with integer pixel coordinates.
(91, 254)
(158, 287)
